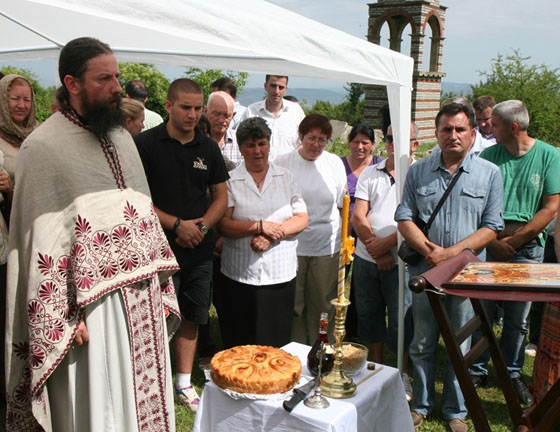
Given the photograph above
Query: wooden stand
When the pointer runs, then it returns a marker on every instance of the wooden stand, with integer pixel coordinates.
(540, 417)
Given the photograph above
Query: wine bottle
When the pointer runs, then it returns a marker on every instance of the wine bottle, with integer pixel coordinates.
(328, 357)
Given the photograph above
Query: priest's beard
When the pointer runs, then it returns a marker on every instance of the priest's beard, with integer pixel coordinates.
(100, 116)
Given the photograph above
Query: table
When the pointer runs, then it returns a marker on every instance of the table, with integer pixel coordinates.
(465, 276)
(379, 404)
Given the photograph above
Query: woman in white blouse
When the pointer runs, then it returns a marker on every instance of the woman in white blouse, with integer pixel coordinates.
(322, 179)
(256, 301)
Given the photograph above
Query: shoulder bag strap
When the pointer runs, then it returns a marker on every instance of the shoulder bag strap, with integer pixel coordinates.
(442, 200)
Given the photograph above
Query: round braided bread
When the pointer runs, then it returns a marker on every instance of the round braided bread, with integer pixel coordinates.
(255, 369)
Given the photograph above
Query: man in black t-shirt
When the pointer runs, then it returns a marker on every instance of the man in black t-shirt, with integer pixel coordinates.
(181, 164)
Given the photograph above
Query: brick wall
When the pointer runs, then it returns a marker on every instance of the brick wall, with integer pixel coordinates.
(427, 78)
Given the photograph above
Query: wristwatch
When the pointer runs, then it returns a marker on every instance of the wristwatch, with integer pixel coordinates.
(203, 228)
(176, 224)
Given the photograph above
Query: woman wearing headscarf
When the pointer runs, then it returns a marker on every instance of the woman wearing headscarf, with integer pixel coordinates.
(17, 121)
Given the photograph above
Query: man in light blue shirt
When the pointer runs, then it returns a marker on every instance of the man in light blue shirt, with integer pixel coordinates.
(471, 217)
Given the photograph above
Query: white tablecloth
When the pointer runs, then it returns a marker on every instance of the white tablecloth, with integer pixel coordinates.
(378, 405)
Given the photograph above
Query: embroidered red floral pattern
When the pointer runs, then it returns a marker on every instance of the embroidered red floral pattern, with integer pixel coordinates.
(95, 257)
(145, 317)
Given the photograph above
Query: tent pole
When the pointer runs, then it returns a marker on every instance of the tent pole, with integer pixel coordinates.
(400, 339)
(399, 106)
(25, 26)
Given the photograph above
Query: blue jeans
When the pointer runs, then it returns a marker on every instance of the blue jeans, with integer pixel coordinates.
(376, 291)
(423, 353)
(516, 326)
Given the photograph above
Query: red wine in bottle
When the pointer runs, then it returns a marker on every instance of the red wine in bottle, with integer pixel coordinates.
(328, 356)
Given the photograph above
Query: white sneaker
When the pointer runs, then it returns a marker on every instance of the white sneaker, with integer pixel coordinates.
(189, 397)
(531, 350)
(407, 387)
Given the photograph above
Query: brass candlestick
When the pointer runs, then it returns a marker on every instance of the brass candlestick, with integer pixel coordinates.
(337, 384)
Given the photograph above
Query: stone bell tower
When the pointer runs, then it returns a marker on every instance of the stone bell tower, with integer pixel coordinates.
(426, 81)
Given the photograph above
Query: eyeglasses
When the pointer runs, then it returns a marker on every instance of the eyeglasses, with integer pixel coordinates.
(389, 138)
(313, 139)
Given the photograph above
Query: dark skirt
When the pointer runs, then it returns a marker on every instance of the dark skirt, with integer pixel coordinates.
(254, 315)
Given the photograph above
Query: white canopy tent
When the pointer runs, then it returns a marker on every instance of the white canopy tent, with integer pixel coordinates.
(245, 35)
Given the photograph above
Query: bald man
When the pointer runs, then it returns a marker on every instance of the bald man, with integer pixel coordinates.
(219, 112)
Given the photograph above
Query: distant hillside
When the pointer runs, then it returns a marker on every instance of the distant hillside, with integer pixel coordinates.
(307, 95)
(310, 95)
(456, 88)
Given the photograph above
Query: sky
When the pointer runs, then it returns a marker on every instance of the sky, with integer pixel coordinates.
(475, 32)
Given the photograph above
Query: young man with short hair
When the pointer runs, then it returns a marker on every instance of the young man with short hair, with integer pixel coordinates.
(181, 163)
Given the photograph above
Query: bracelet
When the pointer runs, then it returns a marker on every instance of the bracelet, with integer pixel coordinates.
(260, 227)
(176, 224)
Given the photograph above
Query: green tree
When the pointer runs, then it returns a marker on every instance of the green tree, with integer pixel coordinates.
(355, 92)
(537, 86)
(156, 83)
(43, 97)
(205, 77)
(328, 109)
(351, 110)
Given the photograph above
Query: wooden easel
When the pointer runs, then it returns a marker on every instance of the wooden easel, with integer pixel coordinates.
(540, 417)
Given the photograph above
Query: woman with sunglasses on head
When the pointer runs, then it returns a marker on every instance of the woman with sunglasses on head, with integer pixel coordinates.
(321, 178)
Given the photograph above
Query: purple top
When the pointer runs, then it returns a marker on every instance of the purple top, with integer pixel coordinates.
(353, 180)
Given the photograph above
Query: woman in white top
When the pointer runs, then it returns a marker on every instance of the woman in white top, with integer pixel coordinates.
(255, 303)
(322, 179)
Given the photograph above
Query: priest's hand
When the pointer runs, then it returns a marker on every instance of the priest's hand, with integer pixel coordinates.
(82, 335)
